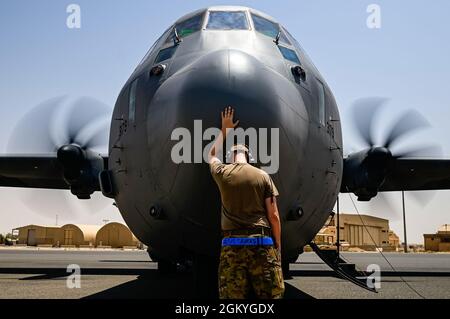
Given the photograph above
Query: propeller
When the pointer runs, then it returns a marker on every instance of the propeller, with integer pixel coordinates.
(61, 121)
(380, 154)
(365, 114)
(76, 130)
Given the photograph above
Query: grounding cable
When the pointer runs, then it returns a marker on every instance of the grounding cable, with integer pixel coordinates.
(379, 250)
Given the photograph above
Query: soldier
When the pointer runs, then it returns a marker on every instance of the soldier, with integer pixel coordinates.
(250, 259)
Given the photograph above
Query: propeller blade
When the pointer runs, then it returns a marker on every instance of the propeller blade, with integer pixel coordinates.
(77, 117)
(384, 207)
(410, 121)
(60, 121)
(423, 198)
(31, 134)
(49, 203)
(364, 113)
(95, 134)
(431, 151)
(45, 129)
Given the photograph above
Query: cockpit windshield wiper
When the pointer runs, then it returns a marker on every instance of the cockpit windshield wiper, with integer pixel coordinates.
(277, 38)
(176, 37)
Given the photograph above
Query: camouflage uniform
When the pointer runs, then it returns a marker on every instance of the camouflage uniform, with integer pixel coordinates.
(246, 268)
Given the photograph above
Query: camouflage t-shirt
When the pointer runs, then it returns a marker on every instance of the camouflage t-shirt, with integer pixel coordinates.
(243, 189)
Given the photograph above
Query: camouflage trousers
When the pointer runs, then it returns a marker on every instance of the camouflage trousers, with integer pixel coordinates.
(246, 269)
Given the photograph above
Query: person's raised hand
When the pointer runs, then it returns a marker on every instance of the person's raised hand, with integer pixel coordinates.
(227, 118)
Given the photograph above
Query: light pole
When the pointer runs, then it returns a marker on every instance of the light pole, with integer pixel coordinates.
(338, 226)
(404, 222)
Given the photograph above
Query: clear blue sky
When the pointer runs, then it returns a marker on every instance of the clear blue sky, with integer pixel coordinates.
(406, 60)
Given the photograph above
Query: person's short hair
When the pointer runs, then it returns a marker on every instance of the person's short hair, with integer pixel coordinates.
(241, 148)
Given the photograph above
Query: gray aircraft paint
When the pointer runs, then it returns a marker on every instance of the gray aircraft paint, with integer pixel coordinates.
(210, 70)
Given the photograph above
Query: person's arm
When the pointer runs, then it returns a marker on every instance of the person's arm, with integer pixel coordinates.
(274, 219)
(227, 123)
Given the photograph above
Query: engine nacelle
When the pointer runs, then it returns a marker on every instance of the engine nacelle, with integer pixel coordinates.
(366, 171)
(81, 169)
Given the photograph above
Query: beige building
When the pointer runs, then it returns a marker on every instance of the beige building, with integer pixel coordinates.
(116, 235)
(359, 231)
(439, 241)
(35, 235)
(79, 235)
(326, 236)
(394, 240)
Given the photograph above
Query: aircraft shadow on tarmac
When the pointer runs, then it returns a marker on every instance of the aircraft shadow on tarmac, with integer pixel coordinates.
(151, 284)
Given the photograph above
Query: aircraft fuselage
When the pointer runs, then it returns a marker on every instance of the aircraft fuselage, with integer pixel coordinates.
(175, 207)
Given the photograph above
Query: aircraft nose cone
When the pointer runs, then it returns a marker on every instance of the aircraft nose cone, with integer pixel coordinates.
(229, 77)
(262, 98)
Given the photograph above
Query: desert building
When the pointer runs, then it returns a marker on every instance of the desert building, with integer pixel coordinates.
(115, 235)
(79, 235)
(439, 241)
(35, 235)
(361, 231)
(394, 240)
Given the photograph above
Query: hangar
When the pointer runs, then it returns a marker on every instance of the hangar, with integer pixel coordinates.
(362, 231)
(115, 235)
(35, 235)
(79, 235)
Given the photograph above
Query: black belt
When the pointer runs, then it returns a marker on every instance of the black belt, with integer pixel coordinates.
(263, 231)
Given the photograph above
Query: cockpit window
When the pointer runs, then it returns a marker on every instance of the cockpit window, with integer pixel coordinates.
(187, 27)
(165, 54)
(227, 20)
(269, 28)
(289, 54)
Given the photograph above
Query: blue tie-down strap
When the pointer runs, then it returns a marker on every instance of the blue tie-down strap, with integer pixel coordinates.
(247, 241)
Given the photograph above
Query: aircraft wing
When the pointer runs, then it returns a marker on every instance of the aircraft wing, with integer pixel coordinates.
(418, 174)
(366, 178)
(31, 171)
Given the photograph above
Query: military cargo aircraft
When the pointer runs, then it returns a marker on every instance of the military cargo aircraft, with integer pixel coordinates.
(206, 60)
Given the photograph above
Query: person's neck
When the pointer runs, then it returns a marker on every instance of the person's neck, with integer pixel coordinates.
(240, 158)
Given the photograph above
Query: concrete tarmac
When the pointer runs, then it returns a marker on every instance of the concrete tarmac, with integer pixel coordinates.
(42, 273)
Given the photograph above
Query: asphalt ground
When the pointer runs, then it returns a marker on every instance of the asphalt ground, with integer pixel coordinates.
(42, 273)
